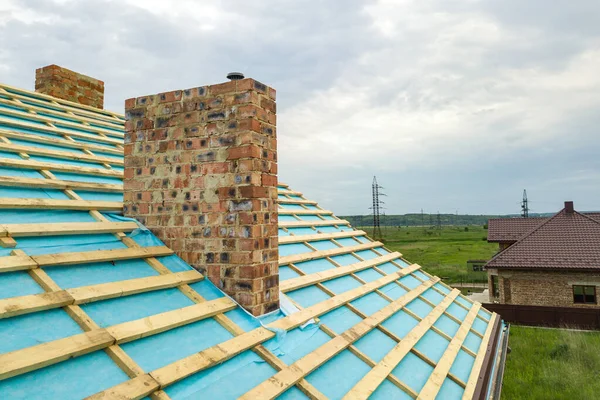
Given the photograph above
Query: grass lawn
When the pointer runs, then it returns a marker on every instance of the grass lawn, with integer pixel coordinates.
(443, 252)
(552, 364)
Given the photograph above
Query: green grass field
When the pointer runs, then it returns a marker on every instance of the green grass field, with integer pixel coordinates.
(443, 252)
(552, 364)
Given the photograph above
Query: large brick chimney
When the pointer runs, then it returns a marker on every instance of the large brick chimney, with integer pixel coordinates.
(201, 173)
(69, 85)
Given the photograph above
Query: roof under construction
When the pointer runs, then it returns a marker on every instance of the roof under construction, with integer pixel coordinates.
(93, 304)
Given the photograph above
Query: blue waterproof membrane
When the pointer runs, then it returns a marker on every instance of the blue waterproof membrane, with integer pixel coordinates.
(205, 288)
(287, 273)
(369, 275)
(72, 379)
(345, 259)
(462, 365)
(281, 232)
(410, 281)
(420, 274)
(311, 207)
(450, 390)
(401, 262)
(340, 320)
(413, 371)
(287, 218)
(433, 296)
(388, 268)
(282, 196)
(464, 302)
(100, 196)
(229, 380)
(297, 343)
(326, 377)
(301, 231)
(381, 250)
(472, 342)
(347, 241)
(292, 249)
(295, 197)
(129, 308)
(370, 303)
(400, 323)
(159, 350)
(7, 171)
(291, 207)
(312, 266)
(419, 307)
(362, 239)
(366, 254)
(393, 290)
(31, 193)
(308, 296)
(442, 288)
(375, 344)
(18, 283)
(68, 176)
(457, 311)
(480, 325)
(447, 325)
(70, 243)
(432, 345)
(342, 284)
(310, 218)
(62, 161)
(484, 313)
(25, 330)
(10, 155)
(331, 229)
(328, 217)
(323, 245)
(388, 390)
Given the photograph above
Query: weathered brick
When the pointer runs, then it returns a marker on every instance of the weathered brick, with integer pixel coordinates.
(72, 86)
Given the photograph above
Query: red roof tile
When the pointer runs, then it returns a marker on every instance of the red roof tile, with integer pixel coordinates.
(567, 240)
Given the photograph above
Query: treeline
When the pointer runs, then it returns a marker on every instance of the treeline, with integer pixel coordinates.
(422, 219)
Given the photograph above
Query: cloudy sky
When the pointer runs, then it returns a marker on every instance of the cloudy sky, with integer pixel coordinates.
(455, 105)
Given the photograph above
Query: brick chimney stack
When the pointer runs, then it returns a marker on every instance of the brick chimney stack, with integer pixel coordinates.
(69, 85)
(201, 174)
(569, 208)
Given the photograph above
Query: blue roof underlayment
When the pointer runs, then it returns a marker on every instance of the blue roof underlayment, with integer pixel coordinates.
(90, 373)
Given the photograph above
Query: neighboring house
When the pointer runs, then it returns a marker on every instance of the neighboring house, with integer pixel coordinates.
(103, 216)
(546, 261)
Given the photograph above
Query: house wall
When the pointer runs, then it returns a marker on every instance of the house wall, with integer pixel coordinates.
(541, 288)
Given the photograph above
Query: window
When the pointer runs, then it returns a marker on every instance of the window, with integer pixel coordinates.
(584, 294)
(495, 288)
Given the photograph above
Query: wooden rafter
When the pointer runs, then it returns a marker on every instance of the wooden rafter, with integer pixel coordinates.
(319, 236)
(67, 155)
(13, 181)
(66, 228)
(29, 137)
(29, 164)
(306, 224)
(295, 258)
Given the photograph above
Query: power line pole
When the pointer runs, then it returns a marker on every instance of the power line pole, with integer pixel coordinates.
(525, 205)
(422, 220)
(439, 221)
(377, 207)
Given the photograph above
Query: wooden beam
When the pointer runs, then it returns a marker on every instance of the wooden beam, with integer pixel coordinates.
(51, 204)
(296, 201)
(14, 306)
(306, 224)
(190, 365)
(67, 155)
(319, 236)
(16, 263)
(154, 324)
(30, 137)
(283, 380)
(136, 388)
(12, 181)
(283, 211)
(66, 228)
(437, 377)
(29, 164)
(35, 357)
(333, 273)
(85, 257)
(289, 192)
(478, 364)
(327, 253)
(110, 290)
(371, 381)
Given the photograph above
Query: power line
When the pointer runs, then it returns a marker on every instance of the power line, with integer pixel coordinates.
(377, 207)
(525, 205)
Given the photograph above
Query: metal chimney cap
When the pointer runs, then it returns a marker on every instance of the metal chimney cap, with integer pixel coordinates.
(234, 76)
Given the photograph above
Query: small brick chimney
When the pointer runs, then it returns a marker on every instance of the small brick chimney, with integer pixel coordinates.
(569, 208)
(69, 85)
(201, 174)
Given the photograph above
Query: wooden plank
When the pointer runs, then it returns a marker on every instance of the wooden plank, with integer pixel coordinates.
(110, 290)
(284, 379)
(296, 201)
(51, 204)
(283, 211)
(85, 257)
(35, 357)
(319, 236)
(185, 367)
(20, 305)
(441, 370)
(136, 388)
(67, 228)
(29, 164)
(305, 224)
(61, 103)
(289, 192)
(30, 137)
(322, 276)
(327, 253)
(478, 364)
(7, 242)
(57, 131)
(371, 381)
(67, 124)
(154, 324)
(67, 155)
(16, 263)
(12, 181)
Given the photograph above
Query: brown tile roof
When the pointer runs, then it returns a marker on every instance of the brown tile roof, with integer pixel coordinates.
(567, 240)
(511, 229)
